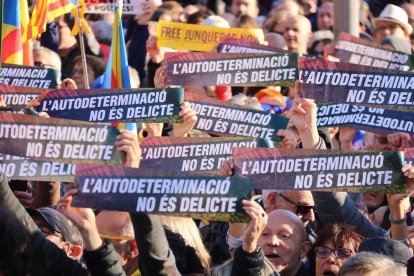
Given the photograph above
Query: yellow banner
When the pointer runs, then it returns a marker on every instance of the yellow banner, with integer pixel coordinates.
(200, 38)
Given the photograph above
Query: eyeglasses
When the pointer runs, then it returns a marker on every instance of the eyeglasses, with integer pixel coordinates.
(300, 210)
(341, 253)
(40, 64)
(276, 108)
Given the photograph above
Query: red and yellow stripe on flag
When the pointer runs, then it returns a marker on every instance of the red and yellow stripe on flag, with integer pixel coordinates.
(44, 12)
(15, 19)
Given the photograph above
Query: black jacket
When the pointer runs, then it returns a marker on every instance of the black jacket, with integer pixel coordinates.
(47, 258)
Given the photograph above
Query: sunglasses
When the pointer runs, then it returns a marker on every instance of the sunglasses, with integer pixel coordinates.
(276, 108)
(42, 64)
(300, 210)
(341, 253)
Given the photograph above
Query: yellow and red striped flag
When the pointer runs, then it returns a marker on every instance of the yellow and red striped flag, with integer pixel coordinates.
(45, 11)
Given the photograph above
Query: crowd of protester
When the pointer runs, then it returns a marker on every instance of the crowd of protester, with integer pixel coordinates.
(289, 233)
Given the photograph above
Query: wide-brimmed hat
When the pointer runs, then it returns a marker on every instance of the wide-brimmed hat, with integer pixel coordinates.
(395, 14)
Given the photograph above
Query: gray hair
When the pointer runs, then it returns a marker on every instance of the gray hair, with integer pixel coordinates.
(54, 60)
(366, 262)
(266, 193)
(243, 100)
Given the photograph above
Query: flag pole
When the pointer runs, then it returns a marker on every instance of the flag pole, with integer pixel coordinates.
(82, 48)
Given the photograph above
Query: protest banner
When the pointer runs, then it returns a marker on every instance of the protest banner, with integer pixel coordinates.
(240, 46)
(328, 170)
(19, 96)
(57, 140)
(331, 82)
(200, 38)
(371, 119)
(351, 49)
(18, 110)
(37, 77)
(115, 105)
(225, 119)
(126, 189)
(231, 69)
(20, 168)
(108, 6)
(198, 154)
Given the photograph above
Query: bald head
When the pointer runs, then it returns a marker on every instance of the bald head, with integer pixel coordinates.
(116, 224)
(276, 40)
(284, 241)
(285, 216)
(297, 32)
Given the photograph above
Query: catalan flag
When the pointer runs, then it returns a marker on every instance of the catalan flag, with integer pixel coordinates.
(117, 73)
(15, 19)
(45, 11)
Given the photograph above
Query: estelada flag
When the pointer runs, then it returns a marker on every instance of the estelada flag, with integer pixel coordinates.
(15, 21)
(117, 73)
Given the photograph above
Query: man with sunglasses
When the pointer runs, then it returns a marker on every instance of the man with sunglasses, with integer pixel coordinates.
(298, 202)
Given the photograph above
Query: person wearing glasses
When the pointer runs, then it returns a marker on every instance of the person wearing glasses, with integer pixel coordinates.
(298, 202)
(333, 247)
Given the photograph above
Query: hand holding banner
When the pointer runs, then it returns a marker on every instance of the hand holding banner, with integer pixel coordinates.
(355, 50)
(371, 119)
(196, 37)
(327, 170)
(21, 168)
(135, 190)
(115, 105)
(57, 140)
(19, 96)
(231, 69)
(192, 154)
(225, 119)
(37, 77)
(355, 84)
